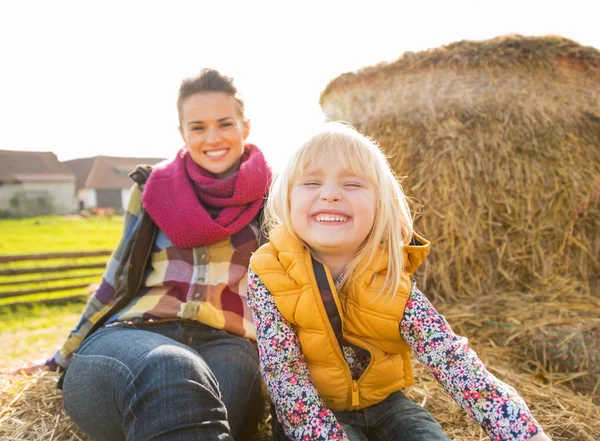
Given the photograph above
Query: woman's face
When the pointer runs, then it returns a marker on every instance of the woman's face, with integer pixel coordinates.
(214, 131)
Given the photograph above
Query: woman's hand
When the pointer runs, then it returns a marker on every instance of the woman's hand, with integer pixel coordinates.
(49, 365)
(30, 369)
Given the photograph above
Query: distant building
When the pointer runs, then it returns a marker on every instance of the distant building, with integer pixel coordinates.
(103, 181)
(34, 184)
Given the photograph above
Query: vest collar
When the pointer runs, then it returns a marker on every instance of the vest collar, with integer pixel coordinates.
(291, 249)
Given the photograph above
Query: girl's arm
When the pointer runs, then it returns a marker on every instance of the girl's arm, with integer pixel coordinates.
(300, 409)
(496, 406)
(102, 299)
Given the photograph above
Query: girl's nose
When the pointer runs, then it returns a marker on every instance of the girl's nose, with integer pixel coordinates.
(331, 193)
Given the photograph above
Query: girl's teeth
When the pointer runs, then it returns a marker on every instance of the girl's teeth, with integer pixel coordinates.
(331, 218)
(215, 153)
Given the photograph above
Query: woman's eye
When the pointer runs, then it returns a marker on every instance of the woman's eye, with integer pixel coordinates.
(228, 124)
(197, 129)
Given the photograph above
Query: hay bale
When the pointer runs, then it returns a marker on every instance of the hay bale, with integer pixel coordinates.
(500, 141)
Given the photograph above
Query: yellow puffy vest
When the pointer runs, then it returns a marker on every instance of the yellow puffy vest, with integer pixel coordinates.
(368, 321)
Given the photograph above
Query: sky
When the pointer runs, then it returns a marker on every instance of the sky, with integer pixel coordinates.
(82, 78)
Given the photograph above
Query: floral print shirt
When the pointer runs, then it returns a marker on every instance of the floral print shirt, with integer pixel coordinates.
(497, 407)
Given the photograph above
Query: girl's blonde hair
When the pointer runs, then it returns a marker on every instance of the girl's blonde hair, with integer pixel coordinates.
(393, 224)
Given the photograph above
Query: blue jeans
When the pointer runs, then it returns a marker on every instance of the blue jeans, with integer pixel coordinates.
(394, 419)
(171, 381)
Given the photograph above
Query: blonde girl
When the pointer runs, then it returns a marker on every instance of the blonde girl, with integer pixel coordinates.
(337, 314)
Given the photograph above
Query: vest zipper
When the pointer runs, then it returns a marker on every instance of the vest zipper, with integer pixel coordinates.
(355, 400)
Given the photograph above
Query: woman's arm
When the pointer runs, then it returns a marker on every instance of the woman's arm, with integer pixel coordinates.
(102, 299)
(299, 407)
(496, 406)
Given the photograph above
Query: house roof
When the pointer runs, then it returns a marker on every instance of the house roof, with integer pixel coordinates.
(18, 166)
(81, 169)
(105, 172)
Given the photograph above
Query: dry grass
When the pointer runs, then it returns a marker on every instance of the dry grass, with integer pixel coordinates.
(563, 414)
(505, 340)
(32, 408)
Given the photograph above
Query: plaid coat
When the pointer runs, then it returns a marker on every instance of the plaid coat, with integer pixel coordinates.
(205, 284)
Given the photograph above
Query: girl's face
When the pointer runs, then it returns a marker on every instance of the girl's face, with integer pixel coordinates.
(332, 210)
(214, 131)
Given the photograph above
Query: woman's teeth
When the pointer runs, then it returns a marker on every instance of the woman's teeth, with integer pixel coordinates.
(215, 153)
(331, 218)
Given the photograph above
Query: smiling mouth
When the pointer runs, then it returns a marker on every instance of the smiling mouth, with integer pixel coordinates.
(216, 153)
(331, 218)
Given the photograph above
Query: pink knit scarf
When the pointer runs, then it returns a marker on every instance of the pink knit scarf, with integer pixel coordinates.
(179, 195)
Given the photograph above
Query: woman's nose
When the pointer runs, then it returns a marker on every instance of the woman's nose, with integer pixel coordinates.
(212, 136)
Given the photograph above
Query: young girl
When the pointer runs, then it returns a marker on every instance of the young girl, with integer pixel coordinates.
(337, 314)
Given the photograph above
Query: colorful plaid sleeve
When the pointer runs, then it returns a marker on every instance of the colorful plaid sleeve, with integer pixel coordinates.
(496, 406)
(104, 295)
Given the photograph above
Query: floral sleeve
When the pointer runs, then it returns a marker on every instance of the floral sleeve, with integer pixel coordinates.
(299, 407)
(496, 406)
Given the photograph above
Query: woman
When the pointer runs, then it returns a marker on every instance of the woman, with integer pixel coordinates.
(177, 362)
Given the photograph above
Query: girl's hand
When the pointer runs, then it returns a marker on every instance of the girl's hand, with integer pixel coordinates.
(540, 437)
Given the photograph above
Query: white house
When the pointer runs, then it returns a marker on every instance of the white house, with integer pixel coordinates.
(103, 181)
(34, 184)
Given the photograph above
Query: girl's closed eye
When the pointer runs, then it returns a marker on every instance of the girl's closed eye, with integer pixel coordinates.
(311, 183)
(353, 184)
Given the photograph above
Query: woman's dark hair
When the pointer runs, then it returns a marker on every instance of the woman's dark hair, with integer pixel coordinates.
(208, 80)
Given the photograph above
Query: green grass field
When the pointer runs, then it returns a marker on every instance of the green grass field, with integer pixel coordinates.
(31, 328)
(55, 234)
(31, 333)
(58, 233)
